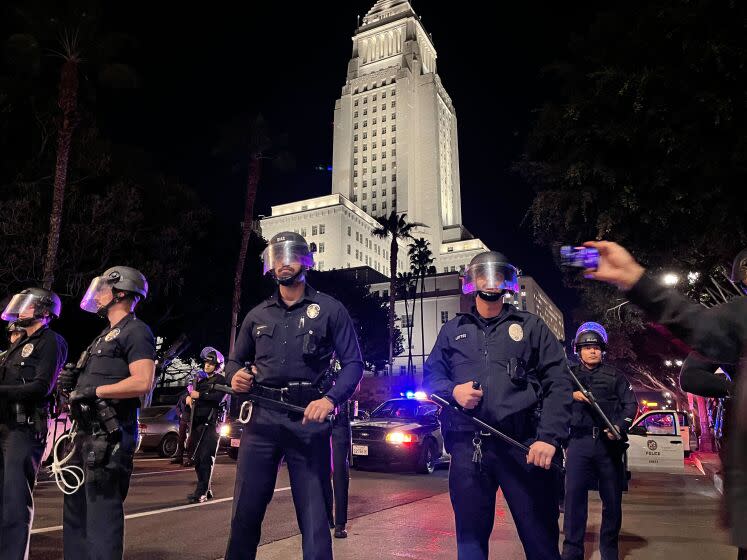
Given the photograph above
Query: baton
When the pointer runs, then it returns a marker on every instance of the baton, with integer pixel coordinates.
(595, 405)
(267, 402)
(488, 428)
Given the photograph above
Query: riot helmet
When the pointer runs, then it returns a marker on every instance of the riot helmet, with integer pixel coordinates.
(490, 275)
(115, 279)
(44, 303)
(739, 270)
(590, 334)
(285, 250)
(210, 355)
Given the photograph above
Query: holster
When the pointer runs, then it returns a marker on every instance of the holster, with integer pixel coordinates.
(301, 393)
(95, 451)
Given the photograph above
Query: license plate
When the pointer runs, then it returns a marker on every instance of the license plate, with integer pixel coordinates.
(235, 442)
(360, 450)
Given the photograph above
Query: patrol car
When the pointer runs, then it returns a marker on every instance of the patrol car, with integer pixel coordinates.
(656, 442)
(401, 432)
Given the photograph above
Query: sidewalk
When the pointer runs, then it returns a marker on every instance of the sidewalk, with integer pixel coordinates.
(710, 465)
(665, 517)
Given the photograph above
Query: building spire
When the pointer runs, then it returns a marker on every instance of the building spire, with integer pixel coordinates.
(383, 9)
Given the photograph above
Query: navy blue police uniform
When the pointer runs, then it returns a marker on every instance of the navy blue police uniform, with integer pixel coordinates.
(592, 457)
(93, 516)
(342, 442)
(527, 395)
(28, 372)
(207, 415)
(291, 348)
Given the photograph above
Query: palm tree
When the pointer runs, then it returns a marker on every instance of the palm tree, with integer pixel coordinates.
(68, 104)
(421, 264)
(405, 284)
(398, 228)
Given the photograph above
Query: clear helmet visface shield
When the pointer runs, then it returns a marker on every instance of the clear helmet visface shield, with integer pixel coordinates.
(289, 253)
(20, 304)
(98, 294)
(488, 276)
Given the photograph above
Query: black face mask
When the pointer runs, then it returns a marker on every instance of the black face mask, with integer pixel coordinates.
(490, 296)
(26, 322)
(297, 277)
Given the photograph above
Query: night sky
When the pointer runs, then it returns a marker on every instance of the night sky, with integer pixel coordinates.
(204, 66)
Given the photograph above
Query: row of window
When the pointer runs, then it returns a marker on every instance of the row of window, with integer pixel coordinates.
(373, 145)
(393, 128)
(373, 110)
(373, 181)
(360, 238)
(374, 97)
(315, 230)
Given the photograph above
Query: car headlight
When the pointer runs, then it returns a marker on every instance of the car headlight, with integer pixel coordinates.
(401, 437)
(225, 430)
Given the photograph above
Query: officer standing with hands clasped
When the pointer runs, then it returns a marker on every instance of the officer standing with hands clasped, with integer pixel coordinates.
(206, 402)
(107, 383)
(521, 370)
(27, 377)
(594, 453)
(283, 353)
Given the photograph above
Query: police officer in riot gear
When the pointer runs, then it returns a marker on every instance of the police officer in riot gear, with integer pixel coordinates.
(106, 385)
(28, 372)
(593, 454)
(524, 391)
(206, 402)
(283, 353)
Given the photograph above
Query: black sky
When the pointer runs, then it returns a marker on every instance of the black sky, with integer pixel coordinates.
(209, 64)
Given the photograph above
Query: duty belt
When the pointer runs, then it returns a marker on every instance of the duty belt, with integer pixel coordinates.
(298, 393)
(584, 431)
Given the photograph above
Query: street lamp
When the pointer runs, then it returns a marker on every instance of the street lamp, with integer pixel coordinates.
(678, 362)
(670, 279)
(668, 363)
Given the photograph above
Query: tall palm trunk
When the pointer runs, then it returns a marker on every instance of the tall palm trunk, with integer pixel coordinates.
(409, 330)
(68, 101)
(392, 280)
(422, 327)
(255, 172)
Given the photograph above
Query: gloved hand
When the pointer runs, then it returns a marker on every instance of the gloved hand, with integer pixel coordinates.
(68, 378)
(83, 394)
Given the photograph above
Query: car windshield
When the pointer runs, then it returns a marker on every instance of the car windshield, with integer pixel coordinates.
(154, 411)
(404, 409)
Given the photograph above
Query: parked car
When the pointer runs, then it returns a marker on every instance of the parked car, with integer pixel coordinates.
(159, 430)
(400, 432)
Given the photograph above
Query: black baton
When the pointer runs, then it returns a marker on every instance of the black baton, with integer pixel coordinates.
(488, 428)
(266, 402)
(595, 405)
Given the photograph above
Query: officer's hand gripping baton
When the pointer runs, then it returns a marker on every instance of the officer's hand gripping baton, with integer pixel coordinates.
(616, 435)
(488, 428)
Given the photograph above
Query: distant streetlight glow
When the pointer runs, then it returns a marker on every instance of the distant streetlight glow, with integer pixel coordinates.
(692, 277)
(679, 363)
(668, 363)
(670, 279)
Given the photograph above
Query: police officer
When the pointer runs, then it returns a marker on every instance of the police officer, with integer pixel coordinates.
(184, 413)
(718, 333)
(289, 340)
(27, 377)
(206, 402)
(108, 380)
(337, 492)
(592, 453)
(521, 368)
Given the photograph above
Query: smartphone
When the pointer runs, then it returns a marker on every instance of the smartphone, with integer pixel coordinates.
(580, 257)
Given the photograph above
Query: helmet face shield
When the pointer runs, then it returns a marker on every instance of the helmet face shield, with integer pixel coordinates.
(20, 304)
(287, 253)
(487, 276)
(98, 294)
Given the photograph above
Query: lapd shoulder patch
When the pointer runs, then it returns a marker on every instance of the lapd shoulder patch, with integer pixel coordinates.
(112, 334)
(312, 311)
(515, 332)
(26, 350)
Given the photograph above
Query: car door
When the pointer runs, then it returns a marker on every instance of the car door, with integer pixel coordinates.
(656, 443)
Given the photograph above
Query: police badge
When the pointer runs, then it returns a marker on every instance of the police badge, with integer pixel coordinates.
(111, 335)
(516, 332)
(26, 350)
(312, 311)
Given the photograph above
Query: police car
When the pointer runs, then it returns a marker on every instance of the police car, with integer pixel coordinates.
(657, 442)
(401, 432)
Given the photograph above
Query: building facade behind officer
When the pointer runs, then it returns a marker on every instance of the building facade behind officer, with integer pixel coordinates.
(289, 340)
(593, 454)
(28, 371)
(208, 412)
(521, 368)
(119, 369)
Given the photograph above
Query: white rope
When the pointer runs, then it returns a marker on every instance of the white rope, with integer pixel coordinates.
(69, 479)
